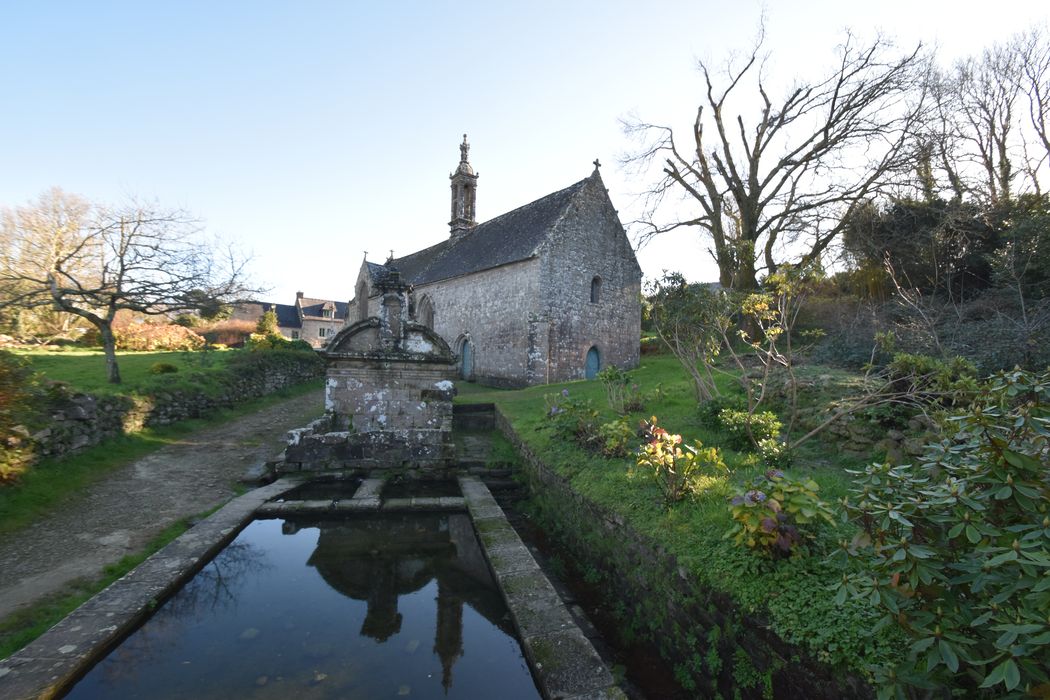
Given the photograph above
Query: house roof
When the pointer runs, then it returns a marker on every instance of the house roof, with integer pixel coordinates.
(312, 307)
(248, 310)
(287, 315)
(508, 238)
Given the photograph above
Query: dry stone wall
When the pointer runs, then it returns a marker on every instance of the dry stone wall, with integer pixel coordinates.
(77, 420)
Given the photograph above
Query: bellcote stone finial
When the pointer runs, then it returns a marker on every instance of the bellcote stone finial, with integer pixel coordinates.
(597, 164)
(464, 186)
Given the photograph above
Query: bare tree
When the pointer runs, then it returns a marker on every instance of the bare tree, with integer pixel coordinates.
(787, 175)
(92, 262)
(987, 89)
(1035, 82)
(939, 138)
(52, 224)
(992, 135)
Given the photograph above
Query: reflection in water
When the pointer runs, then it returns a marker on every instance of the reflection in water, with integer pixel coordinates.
(211, 591)
(329, 609)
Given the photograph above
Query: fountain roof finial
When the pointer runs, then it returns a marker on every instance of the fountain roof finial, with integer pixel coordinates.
(464, 158)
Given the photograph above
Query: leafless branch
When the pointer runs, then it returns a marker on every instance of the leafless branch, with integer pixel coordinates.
(755, 181)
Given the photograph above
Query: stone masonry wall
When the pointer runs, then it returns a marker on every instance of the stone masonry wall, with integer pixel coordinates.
(533, 322)
(390, 396)
(379, 415)
(590, 241)
(311, 328)
(492, 308)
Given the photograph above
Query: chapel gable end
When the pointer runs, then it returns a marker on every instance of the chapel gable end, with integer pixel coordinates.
(590, 239)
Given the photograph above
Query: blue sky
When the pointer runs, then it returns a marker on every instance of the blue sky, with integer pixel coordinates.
(309, 132)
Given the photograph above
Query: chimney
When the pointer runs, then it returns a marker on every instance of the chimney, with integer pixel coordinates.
(298, 295)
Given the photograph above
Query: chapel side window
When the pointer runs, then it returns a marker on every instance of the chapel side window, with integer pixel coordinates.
(596, 289)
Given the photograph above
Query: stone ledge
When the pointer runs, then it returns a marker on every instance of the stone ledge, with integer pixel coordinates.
(564, 662)
(369, 488)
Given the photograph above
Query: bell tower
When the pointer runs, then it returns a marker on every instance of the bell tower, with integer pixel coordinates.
(464, 188)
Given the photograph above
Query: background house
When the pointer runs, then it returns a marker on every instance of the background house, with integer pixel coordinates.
(309, 319)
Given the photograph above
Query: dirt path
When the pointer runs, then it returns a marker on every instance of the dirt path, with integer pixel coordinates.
(118, 515)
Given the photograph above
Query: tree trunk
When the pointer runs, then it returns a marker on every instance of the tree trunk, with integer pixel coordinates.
(109, 346)
(746, 277)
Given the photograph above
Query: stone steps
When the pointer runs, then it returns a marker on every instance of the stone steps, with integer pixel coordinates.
(473, 416)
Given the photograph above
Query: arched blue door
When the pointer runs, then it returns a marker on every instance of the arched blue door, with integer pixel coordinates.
(594, 363)
(466, 360)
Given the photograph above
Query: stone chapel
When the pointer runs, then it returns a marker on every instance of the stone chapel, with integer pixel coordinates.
(548, 292)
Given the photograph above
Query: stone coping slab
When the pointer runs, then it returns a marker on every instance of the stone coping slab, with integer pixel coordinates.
(357, 505)
(563, 661)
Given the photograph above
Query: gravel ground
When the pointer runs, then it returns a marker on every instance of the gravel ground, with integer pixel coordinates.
(119, 514)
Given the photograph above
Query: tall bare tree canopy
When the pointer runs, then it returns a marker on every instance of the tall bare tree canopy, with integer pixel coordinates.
(91, 261)
(991, 139)
(1035, 82)
(770, 179)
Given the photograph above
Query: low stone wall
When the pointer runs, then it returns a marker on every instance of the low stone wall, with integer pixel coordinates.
(318, 447)
(714, 646)
(78, 420)
(860, 435)
(861, 438)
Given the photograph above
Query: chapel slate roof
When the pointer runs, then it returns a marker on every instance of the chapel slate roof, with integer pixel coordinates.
(508, 238)
(376, 272)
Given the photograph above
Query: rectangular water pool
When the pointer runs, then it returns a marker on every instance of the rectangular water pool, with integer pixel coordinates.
(396, 606)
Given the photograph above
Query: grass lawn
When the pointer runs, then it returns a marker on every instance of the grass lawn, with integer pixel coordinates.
(793, 595)
(85, 369)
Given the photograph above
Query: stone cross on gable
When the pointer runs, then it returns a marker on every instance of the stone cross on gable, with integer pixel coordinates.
(597, 164)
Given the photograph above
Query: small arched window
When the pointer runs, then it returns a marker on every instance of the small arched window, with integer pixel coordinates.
(596, 289)
(425, 312)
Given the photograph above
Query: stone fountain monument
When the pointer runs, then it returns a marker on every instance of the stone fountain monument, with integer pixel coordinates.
(388, 395)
